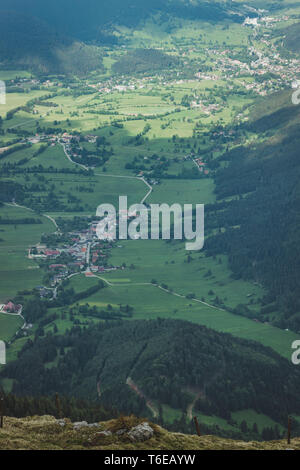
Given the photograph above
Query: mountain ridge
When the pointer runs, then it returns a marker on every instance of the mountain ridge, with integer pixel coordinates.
(29, 42)
(82, 19)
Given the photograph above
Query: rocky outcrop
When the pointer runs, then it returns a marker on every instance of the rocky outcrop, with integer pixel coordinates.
(141, 433)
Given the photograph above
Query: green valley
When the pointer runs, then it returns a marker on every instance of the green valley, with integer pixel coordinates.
(171, 102)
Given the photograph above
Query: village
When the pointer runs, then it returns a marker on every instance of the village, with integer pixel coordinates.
(83, 253)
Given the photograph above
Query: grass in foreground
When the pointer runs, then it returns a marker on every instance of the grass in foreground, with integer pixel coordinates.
(44, 433)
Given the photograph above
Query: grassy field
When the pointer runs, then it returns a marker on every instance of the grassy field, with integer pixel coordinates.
(53, 156)
(12, 74)
(179, 32)
(80, 193)
(14, 100)
(168, 263)
(150, 302)
(251, 417)
(8, 326)
(183, 192)
(17, 272)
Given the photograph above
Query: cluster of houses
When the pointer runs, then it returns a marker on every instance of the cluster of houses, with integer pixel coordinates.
(10, 307)
(45, 292)
(85, 253)
(119, 85)
(34, 83)
(205, 108)
(201, 165)
(266, 21)
(263, 60)
(65, 138)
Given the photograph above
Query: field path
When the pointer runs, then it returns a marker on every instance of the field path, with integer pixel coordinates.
(110, 284)
(14, 204)
(107, 175)
(191, 406)
(132, 385)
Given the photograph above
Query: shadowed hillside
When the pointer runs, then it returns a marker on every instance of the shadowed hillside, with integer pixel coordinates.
(292, 40)
(29, 43)
(261, 219)
(84, 18)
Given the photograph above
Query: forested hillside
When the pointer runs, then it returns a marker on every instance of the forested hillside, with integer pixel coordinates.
(144, 60)
(44, 36)
(74, 409)
(163, 358)
(28, 42)
(261, 218)
(292, 38)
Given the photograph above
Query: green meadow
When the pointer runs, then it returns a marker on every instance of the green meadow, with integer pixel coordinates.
(12, 74)
(183, 192)
(151, 302)
(9, 324)
(184, 272)
(17, 272)
(14, 100)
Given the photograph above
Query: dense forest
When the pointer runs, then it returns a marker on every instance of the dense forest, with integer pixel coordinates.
(58, 406)
(292, 38)
(165, 359)
(260, 220)
(144, 60)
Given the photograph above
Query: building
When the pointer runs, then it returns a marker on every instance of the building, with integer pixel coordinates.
(52, 253)
(10, 307)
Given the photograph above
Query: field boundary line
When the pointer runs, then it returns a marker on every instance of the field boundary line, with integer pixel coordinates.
(110, 284)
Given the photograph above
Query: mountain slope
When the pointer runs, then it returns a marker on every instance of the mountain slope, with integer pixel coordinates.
(144, 60)
(83, 18)
(163, 358)
(47, 36)
(261, 220)
(292, 38)
(28, 42)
